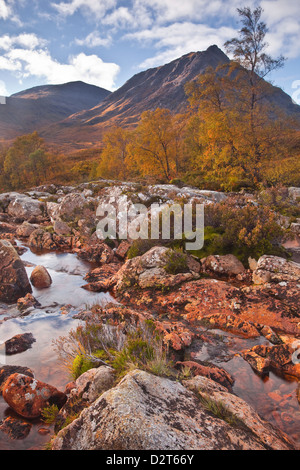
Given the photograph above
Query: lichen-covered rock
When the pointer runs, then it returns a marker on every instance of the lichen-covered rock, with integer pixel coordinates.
(275, 269)
(212, 372)
(26, 208)
(145, 412)
(14, 282)
(227, 265)
(151, 271)
(25, 229)
(87, 388)
(40, 278)
(28, 396)
(98, 253)
(41, 240)
(7, 371)
(62, 228)
(269, 436)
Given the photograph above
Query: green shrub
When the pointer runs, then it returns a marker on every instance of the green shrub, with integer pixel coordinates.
(49, 414)
(244, 231)
(176, 262)
(80, 365)
(139, 247)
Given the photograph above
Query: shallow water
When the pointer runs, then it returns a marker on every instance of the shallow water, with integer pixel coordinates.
(47, 323)
(274, 397)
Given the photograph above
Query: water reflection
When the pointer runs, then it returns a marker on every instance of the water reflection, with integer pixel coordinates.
(46, 323)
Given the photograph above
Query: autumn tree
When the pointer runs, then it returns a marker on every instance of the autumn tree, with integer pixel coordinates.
(157, 146)
(236, 130)
(115, 154)
(25, 162)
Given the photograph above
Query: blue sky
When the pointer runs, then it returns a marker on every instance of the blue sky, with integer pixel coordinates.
(105, 42)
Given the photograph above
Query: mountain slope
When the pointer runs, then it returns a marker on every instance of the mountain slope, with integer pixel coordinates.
(158, 87)
(36, 108)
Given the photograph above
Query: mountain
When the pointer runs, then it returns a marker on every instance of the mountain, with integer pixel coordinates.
(75, 115)
(157, 87)
(39, 107)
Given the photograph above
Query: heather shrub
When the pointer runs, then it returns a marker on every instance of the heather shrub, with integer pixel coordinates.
(244, 231)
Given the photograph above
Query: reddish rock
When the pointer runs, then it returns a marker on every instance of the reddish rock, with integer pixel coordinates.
(233, 324)
(26, 229)
(15, 428)
(122, 249)
(279, 358)
(99, 253)
(26, 302)
(40, 278)
(227, 265)
(19, 344)
(7, 228)
(7, 371)
(212, 372)
(28, 396)
(98, 279)
(42, 240)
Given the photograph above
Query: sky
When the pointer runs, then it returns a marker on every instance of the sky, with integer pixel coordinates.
(106, 42)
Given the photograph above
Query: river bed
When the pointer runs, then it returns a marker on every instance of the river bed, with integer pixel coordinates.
(273, 397)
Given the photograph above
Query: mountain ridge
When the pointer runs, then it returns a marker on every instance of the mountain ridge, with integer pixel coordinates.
(37, 107)
(80, 126)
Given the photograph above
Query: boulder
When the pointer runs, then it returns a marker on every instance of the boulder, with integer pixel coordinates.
(7, 371)
(98, 253)
(14, 282)
(25, 229)
(279, 358)
(227, 265)
(15, 428)
(28, 396)
(73, 205)
(294, 193)
(213, 372)
(61, 228)
(87, 388)
(40, 278)
(41, 240)
(26, 302)
(26, 208)
(19, 343)
(151, 270)
(145, 412)
(275, 269)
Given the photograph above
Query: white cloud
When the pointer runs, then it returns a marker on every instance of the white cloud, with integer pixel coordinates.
(87, 68)
(26, 55)
(96, 8)
(180, 38)
(93, 40)
(6, 10)
(28, 41)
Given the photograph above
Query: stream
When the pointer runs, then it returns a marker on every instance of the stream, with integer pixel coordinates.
(46, 323)
(273, 397)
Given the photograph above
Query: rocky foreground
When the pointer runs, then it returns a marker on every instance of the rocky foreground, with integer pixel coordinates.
(187, 303)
